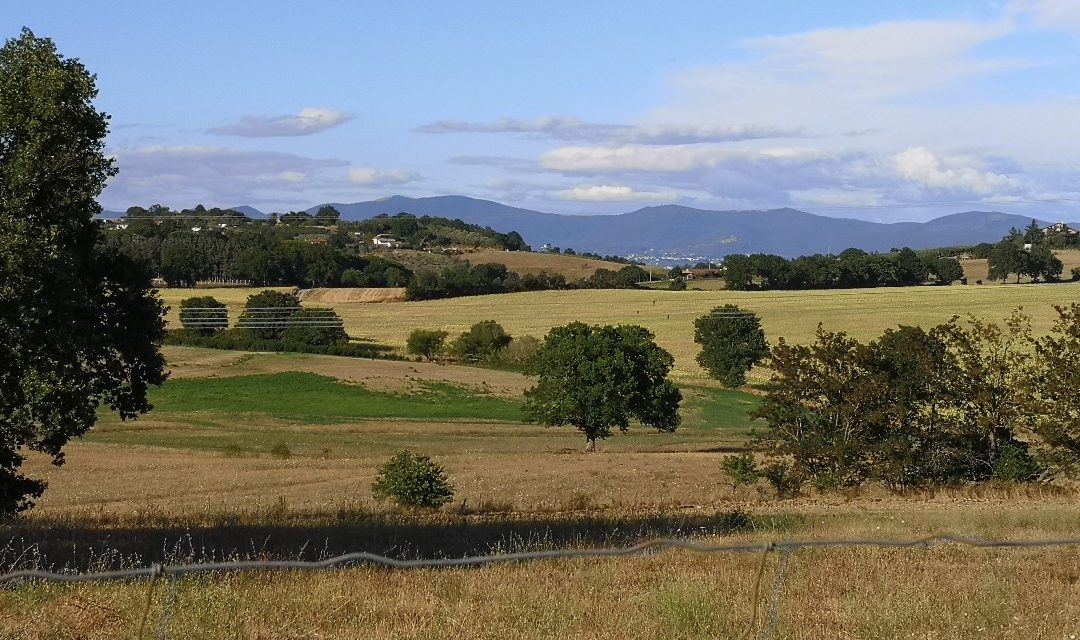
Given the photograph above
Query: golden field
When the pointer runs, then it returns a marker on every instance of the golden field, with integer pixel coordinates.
(793, 315)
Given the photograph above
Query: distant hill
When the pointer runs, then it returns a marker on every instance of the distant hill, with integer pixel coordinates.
(248, 211)
(686, 231)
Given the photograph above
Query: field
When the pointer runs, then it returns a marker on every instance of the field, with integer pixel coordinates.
(977, 269)
(793, 315)
(258, 455)
(526, 262)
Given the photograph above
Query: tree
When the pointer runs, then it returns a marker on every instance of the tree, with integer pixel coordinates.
(482, 341)
(732, 342)
(1058, 389)
(947, 270)
(80, 326)
(266, 313)
(426, 342)
(204, 314)
(600, 377)
(327, 215)
(413, 480)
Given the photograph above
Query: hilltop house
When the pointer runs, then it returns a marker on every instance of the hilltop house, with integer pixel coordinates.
(385, 240)
(1062, 229)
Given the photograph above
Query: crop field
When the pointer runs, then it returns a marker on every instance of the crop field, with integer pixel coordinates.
(250, 454)
(793, 315)
(523, 262)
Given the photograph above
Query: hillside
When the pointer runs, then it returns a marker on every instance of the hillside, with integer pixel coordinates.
(686, 231)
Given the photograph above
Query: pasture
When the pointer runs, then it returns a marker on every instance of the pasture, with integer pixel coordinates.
(793, 315)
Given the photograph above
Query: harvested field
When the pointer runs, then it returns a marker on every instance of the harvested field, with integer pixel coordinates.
(573, 267)
(358, 295)
(794, 315)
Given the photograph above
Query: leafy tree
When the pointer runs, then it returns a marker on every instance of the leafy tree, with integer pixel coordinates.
(314, 326)
(732, 342)
(327, 215)
(413, 480)
(180, 261)
(266, 313)
(80, 326)
(947, 270)
(1058, 389)
(629, 276)
(600, 377)
(203, 314)
(482, 341)
(426, 342)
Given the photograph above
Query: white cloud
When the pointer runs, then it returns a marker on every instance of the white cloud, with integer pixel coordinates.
(922, 167)
(612, 193)
(371, 176)
(310, 120)
(667, 159)
(574, 129)
(1054, 14)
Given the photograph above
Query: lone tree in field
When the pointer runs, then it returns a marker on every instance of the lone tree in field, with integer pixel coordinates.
(732, 342)
(599, 377)
(80, 326)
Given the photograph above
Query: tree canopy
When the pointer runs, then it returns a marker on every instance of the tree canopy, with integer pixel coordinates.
(600, 377)
(732, 342)
(79, 323)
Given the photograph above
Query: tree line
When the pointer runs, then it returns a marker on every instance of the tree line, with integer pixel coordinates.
(852, 268)
(1026, 253)
(461, 279)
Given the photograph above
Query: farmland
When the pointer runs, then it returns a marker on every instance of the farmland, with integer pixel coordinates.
(278, 451)
(793, 315)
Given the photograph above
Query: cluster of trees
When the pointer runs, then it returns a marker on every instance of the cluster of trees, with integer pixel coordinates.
(852, 268)
(431, 232)
(589, 254)
(262, 255)
(460, 279)
(485, 342)
(270, 321)
(1024, 253)
(962, 401)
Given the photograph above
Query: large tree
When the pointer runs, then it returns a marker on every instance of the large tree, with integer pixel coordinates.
(732, 342)
(600, 377)
(79, 325)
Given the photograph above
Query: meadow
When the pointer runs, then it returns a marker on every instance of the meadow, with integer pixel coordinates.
(793, 315)
(273, 455)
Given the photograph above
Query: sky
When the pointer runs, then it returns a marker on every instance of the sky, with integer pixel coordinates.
(883, 111)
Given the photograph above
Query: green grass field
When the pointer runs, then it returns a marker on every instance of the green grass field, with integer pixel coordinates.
(794, 315)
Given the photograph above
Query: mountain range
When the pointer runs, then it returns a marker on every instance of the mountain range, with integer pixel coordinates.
(685, 231)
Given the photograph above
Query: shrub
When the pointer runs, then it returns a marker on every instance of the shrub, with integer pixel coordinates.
(677, 284)
(518, 353)
(413, 480)
(740, 469)
(426, 342)
(314, 326)
(203, 314)
(482, 341)
(1075, 274)
(281, 450)
(1015, 464)
(784, 479)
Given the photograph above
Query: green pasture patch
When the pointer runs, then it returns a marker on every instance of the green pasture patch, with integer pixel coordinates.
(315, 399)
(714, 409)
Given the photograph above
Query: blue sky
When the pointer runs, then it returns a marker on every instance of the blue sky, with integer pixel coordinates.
(879, 110)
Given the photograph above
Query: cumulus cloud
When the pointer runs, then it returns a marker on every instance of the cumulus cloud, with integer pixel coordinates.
(612, 193)
(310, 120)
(921, 166)
(574, 129)
(371, 176)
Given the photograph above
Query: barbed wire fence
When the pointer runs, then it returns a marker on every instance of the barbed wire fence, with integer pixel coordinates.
(786, 548)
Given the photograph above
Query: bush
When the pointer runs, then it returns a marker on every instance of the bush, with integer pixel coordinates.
(482, 341)
(413, 480)
(740, 469)
(1075, 274)
(314, 326)
(426, 342)
(784, 479)
(677, 284)
(1015, 464)
(203, 314)
(281, 450)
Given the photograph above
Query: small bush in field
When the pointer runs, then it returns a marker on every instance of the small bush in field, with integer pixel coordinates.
(280, 450)
(413, 480)
(783, 478)
(741, 470)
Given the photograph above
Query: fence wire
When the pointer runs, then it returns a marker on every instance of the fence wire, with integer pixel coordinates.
(787, 547)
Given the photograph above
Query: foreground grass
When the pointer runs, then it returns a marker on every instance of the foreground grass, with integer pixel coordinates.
(946, 592)
(794, 315)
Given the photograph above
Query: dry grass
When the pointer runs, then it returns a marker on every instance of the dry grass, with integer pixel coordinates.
(523, 262)
(955, 592)
(669, 314)
(357, 294)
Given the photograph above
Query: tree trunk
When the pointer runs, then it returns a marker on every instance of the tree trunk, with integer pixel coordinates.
(590, 444)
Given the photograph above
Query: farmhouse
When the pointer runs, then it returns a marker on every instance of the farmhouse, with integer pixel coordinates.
(1060, 228)
(386, 240)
